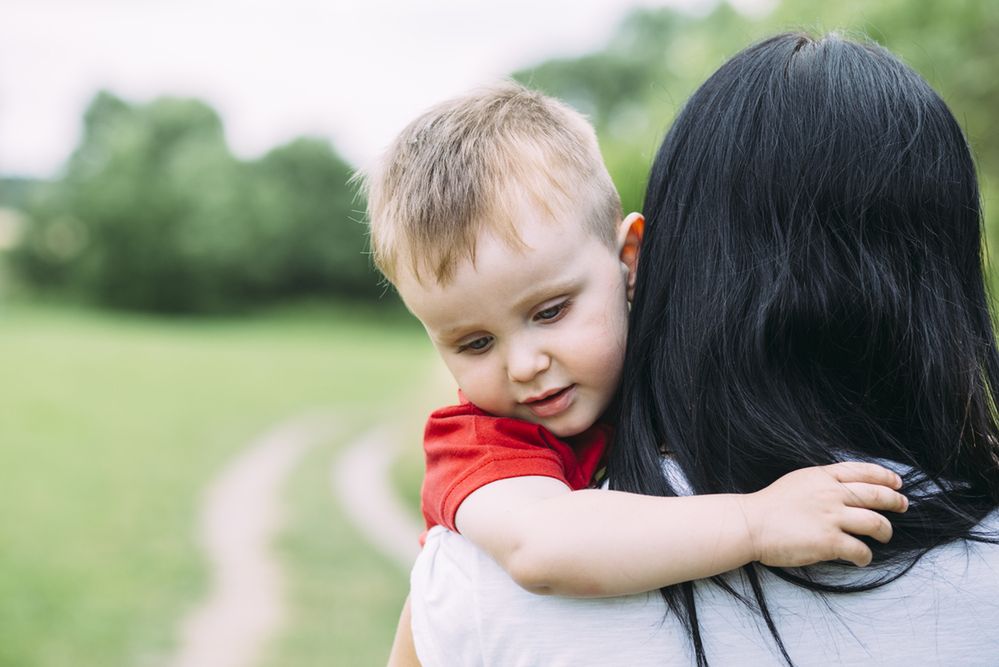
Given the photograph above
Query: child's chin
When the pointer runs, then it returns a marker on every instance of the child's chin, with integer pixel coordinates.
(568, 429)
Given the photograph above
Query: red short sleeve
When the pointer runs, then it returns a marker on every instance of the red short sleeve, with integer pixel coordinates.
(467, 448)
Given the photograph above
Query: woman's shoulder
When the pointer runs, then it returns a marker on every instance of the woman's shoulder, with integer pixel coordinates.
(467, 610)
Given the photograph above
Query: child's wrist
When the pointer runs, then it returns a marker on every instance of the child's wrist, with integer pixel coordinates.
(749, 513)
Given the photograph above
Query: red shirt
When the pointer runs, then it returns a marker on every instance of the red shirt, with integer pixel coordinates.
(467, 448)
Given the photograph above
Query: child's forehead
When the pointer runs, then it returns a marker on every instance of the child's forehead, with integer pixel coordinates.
(543, 253)
(524, 220)
(533, 239)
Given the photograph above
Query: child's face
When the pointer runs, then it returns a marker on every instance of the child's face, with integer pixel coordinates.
(538, 333)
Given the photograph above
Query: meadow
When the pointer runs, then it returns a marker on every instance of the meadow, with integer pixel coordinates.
(112, 427)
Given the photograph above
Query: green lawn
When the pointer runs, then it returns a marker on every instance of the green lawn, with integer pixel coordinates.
(344, 599)
(437, 390)
(112, 425)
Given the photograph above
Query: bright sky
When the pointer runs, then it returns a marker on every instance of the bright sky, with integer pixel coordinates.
(354, 71)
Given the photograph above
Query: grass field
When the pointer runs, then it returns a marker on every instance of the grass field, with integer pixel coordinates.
(112, 425)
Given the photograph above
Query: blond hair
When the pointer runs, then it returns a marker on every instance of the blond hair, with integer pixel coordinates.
(469, 164)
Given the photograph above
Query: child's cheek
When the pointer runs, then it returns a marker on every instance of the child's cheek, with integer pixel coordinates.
(600, 353)
(483, 385)
(604, 340)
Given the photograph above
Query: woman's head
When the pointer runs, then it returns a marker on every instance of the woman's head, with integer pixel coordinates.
(811, 289)
(811, 282)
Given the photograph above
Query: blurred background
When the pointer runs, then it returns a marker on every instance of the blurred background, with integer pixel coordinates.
(183, 266)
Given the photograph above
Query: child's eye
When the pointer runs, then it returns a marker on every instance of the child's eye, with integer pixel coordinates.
(552, 313)
(480, 344)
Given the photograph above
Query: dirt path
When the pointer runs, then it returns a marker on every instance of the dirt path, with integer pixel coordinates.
(239, 519)
(361, 483)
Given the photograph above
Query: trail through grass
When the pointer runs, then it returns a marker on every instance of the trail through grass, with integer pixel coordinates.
(111, 428)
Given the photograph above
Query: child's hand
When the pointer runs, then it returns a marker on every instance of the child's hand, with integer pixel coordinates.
(811, 515)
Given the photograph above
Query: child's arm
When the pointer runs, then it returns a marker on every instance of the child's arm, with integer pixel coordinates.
(596, 543)
(403, 651)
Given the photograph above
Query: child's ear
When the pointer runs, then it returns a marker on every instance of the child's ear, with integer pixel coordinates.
(629, 241)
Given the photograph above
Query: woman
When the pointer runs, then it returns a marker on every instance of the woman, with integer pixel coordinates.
(810, 290)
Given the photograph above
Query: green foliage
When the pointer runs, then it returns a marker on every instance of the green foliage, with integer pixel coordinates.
(296, 187)
(17, 192)
(154, 213)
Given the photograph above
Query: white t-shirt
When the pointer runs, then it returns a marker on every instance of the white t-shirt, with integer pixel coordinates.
(945, 611)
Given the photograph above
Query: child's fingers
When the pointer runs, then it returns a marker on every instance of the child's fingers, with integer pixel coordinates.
(875, 497)
(858, 471)
(853, 550)
(865, 522)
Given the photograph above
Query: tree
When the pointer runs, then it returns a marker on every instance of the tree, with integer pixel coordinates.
(154, 213)
(312, 240)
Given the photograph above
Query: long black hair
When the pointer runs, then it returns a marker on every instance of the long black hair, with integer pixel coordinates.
(810, 290)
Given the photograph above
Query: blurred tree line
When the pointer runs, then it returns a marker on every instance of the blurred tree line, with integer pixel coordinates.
(153, 212)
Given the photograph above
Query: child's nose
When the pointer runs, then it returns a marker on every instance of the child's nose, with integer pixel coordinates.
(525, 363)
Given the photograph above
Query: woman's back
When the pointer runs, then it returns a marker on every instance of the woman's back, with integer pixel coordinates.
(945, 611)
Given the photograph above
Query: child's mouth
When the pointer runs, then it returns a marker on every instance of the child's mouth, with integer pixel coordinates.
(549, 406)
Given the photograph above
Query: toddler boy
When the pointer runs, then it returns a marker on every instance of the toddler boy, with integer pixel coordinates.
(495, 219)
